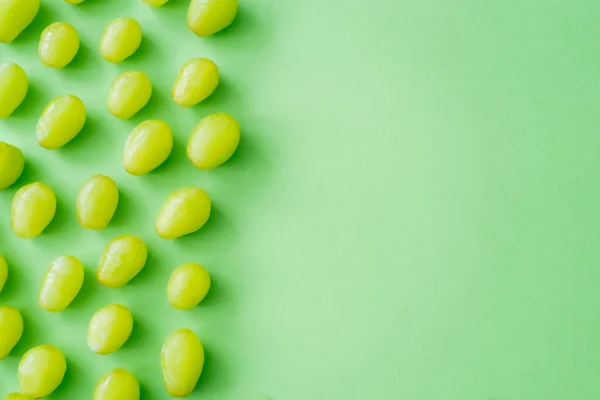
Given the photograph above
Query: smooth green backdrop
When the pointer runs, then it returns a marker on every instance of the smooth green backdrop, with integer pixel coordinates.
(412, 212)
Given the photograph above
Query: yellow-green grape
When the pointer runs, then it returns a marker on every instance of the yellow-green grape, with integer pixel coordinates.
(41, 371)
(33, 209)
(12, 163)
(129, 93)
(122, 260)
(122, 37)
(185, 211)
(61, 284)
(11, 326)
(147, 147)
(15, 396)
(3, 272)
(155, 3)
(97, 202)
(197, 79)
(213, 141)
(109, 329)
(182, 360)
(188, 286)
(118, 384)
(60, 122)
(13, 87)
(59, 45)
(74, 1)
(15, 16)
(207, 17)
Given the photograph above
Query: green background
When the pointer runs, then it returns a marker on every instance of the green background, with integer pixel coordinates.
(412, 212)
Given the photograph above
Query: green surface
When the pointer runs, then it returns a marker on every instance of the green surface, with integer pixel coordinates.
(412, 213)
